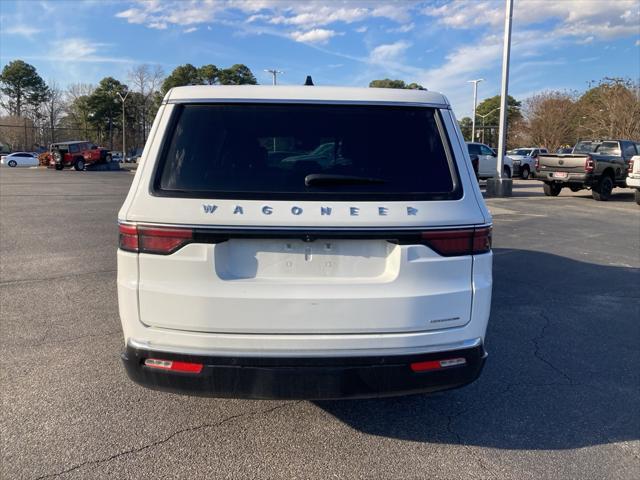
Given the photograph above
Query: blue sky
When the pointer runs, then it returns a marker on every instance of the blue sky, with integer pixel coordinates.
(557, 44)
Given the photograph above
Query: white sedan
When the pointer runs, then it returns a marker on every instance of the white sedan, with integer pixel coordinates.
(19, 159)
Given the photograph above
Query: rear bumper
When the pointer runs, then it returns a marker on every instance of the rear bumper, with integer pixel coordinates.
(306, 377)
(581, 178)
(633, 181)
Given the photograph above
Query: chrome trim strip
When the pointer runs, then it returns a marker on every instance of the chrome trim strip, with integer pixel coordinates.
(471, 343)
(304, 227)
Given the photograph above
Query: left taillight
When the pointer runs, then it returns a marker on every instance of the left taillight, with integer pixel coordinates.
(155, 240)
(449, 243)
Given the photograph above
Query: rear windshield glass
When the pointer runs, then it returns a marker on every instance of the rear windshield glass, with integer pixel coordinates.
(306, 151)
(584, 147)
(608, 148)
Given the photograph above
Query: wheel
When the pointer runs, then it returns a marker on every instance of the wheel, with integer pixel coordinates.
(525, 172)
(551, 189)
(575, 188)
(12, 163)
(602, 191)
(637, 196)
(59, 166)
(107, 159)
(507, 172)
(79, 165)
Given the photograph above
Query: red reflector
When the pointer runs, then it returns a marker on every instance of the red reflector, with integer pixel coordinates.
(437, 364)
(174, 366)
(459, 242)
(128, 237)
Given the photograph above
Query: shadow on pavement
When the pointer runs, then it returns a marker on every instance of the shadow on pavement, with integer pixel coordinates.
(562, 370)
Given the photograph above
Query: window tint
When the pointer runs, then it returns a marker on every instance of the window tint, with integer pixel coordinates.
(73, 148)
(629, 149)
(268, 152)
(474, 149)
(485, 150)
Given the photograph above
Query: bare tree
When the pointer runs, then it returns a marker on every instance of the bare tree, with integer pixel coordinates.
(610, 110)
(77, 108)
(146, 80)
(54, 107)
(550, 119)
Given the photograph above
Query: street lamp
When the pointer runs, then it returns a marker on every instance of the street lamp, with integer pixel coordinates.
(124, 145)
(485, 116)
(273, 72)
(475, 102)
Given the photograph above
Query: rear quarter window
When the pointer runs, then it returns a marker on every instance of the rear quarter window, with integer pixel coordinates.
(267, 151)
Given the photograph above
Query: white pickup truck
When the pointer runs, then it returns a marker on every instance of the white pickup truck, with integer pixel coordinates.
(633, 177)
(524, 160)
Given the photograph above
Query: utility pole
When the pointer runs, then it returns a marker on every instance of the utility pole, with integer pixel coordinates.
(124, 125)
(275, 74)
(475, 102)
(498, 186)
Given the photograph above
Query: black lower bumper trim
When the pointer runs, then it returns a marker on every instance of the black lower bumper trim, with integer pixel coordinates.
(305, 378)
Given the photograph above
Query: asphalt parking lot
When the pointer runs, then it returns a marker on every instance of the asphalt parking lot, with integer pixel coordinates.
(559, 397)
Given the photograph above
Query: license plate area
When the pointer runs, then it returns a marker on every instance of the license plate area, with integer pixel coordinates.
(242, 259)
(560, 174)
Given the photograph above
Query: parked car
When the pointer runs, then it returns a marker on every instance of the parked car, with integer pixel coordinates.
(488, 161)
(19, 159)
(366, 276)
(77, 154)
(633, 176)
(523, 160)
(117, 157)
(599, 166)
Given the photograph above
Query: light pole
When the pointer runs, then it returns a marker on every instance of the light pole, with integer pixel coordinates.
(475, 102)
(485, 116)
(124, 145)
(273, 72)
(498, 186)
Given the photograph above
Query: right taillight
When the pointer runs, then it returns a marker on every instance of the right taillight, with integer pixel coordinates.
(589, 164)
(156, 240)
(469, 241)
(630, 166)
(537, 165)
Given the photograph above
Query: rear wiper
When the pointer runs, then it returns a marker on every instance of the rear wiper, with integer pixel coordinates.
(329, 179)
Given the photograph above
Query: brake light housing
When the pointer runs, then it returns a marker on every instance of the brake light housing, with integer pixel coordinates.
(154, 240)
(536, 164)
(450, 243)
(589, 164)
(630, 166)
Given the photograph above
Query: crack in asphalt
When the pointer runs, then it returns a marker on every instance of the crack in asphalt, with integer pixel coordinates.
(537, 353)
(164, 440)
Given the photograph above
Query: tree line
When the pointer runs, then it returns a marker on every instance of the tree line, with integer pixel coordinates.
(37, 113)
(553, 118)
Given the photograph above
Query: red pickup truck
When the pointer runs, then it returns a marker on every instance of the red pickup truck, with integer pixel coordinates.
(77, 154)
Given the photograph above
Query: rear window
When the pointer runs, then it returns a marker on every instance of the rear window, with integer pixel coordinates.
(608, 148)
(268, 151)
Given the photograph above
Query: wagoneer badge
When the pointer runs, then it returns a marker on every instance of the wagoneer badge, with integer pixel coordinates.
(295, 210)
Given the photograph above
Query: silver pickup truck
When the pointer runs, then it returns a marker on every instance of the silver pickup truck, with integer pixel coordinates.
(598, 165)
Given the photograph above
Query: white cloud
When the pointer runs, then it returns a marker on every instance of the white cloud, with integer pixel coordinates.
(637, 44)
(390, 52)
(407, 27)
(190, 30)
(361, 29)
(22, 30)
(579, 18)
(74, 50)
(317, 35)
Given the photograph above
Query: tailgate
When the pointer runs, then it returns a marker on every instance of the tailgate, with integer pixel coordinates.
(288, 285)
(562, 162)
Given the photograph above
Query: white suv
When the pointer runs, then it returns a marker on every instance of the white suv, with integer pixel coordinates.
(304, 242)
